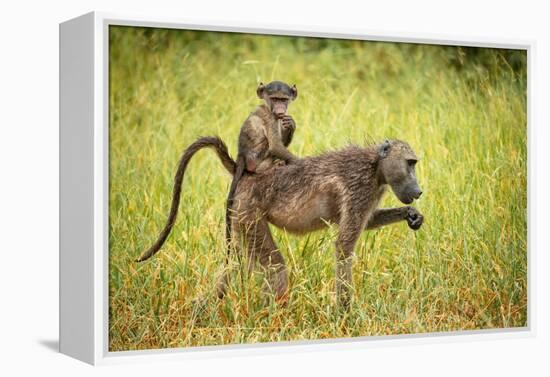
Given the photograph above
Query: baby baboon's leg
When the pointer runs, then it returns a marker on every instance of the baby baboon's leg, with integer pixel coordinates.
(262, 248)
(350, 230)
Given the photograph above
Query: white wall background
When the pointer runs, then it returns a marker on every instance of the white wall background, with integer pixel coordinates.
(29, 183)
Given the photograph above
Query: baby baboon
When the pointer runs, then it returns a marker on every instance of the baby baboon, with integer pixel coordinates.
(264, 136)
(342, 187)
(263, 139)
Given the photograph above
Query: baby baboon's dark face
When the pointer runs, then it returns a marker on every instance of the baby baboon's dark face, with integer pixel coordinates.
(277, 95)
(397, 169)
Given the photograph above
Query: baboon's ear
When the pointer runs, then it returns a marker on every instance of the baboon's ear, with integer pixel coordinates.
(294, 91)
(260, 90)
(384, 149)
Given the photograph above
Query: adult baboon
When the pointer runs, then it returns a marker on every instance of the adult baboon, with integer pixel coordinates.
(342, 187)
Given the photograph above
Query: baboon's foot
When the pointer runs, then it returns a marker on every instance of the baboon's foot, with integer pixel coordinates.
(279, 300)
(344, 295)
(199, 303)
(282, 298)
(344, 304)
(221, 287)
(277, 284)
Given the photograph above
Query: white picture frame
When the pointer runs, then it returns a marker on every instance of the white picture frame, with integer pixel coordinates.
(84, 191)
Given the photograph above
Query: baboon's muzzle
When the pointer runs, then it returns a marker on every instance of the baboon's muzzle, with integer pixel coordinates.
(416, 193)
(279, 109)
(410, 194)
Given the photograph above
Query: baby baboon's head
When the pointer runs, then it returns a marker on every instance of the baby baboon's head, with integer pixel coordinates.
(396, 168)
(277, 95)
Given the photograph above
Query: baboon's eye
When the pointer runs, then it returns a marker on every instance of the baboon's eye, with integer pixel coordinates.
(411, 162)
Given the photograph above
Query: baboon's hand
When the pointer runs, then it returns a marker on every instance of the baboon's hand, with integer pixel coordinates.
(288, 123)
(414, 218)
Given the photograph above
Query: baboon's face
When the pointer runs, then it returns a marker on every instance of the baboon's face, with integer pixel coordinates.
(397, 169)
(277, 95)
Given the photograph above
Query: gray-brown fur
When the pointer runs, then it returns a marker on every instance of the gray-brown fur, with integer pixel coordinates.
(342, 187)
(264, 136)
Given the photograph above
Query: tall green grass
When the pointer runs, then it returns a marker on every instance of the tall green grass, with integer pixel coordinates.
(462, 110)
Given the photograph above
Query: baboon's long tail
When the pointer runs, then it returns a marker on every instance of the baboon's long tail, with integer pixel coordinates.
(204, 142)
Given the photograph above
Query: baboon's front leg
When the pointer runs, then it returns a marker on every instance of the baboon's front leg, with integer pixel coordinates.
(262, 248)
(386, 216)
(350, 230)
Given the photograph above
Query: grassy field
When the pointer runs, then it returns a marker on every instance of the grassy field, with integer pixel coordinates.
(462, 110)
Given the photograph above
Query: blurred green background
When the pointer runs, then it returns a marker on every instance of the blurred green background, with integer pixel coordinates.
(463, 110)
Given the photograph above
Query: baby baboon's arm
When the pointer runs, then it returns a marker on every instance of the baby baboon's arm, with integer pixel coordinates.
(275, 142)
(386, 216)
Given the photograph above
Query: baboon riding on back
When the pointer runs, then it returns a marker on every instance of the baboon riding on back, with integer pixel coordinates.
(263, 139)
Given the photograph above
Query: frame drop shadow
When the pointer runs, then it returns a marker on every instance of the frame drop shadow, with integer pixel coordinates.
(51, 344)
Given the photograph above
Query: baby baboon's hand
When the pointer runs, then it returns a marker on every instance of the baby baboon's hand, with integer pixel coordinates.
(288, 123)
(288, 126)
(414, 218)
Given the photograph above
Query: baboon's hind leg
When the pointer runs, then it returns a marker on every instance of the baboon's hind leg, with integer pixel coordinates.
(262, 248)
(234, 247)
